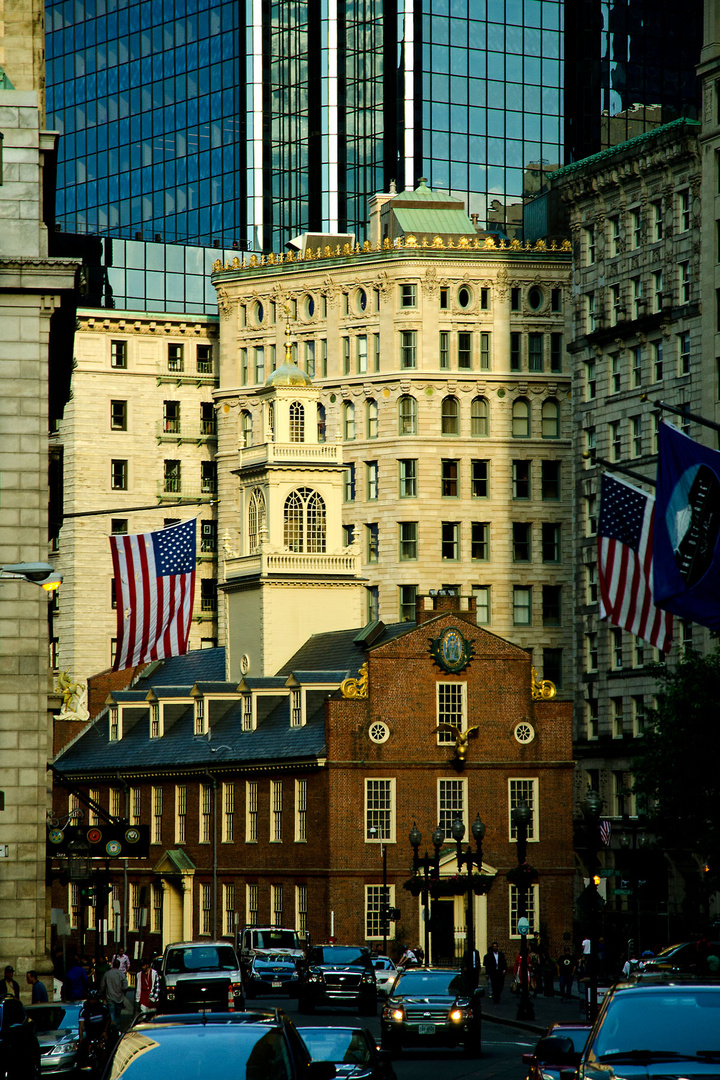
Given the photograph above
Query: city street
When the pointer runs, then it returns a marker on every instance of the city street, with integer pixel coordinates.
(503, 1043)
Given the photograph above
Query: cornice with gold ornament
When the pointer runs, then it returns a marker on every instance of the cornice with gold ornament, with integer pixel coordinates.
(356, 688)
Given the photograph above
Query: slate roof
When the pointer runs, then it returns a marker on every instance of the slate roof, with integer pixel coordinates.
(335, 650)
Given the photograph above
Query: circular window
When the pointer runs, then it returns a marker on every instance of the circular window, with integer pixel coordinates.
(535, 298)
(259, 312)
(379, 732)
(524, 732)
(309, 307)
(464, 297)
(361, 299)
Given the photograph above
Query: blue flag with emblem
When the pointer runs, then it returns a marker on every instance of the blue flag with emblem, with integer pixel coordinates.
(686, 548)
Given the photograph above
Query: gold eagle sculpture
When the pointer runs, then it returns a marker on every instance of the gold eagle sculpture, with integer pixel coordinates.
(461, 738)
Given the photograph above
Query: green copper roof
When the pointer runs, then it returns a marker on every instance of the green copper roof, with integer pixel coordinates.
(427, 211)
(611, 151)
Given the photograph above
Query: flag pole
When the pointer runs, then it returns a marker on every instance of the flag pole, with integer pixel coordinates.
(681, 412)
(615, 466)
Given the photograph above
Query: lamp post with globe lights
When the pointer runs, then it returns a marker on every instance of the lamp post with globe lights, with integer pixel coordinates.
(430, 867)
(470, 859)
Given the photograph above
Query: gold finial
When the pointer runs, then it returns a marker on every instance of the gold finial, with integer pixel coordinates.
(288, 342)
(356, 688)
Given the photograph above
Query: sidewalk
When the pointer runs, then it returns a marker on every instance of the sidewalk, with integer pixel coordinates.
(547, 1010)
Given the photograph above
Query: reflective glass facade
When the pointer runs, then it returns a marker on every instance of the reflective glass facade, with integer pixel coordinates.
(250, 121)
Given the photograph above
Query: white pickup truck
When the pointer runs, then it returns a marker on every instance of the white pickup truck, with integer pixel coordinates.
(201, 975)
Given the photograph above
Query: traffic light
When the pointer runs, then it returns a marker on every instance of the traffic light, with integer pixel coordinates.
(388, 913)
(87, 895)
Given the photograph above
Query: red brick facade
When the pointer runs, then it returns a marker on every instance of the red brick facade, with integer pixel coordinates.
(335, 862)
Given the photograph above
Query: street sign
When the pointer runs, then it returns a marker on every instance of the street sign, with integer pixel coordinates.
(606, 871)
(623, 892)
(523, 926)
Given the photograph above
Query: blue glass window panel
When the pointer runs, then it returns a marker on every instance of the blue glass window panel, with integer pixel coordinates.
(532, 126)
(441, 144)
(532, 42)
(514, 125)
(175, 285)
(551, 44)
(440, 174)
(135, 283)
(533, 12)
(155, 285)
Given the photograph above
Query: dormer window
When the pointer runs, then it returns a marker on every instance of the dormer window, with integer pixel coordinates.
(248, 715)
(114, 723)
(155, 720)
(296, 709)
(200, 727)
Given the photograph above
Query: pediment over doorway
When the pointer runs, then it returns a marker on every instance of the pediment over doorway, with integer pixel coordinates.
(174, 861)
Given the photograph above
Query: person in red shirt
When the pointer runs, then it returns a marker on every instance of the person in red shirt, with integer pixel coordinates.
(146, 987)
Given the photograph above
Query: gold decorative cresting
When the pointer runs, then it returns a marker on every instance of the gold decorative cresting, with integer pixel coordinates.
(356, 688)
(542, 689)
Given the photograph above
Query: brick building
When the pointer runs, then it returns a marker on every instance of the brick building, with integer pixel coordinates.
(272, 798)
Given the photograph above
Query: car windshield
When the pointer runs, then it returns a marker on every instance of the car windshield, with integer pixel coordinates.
(340, 1045)
(684, 1021)
(577, 1035)
(207, 958)
(54, 1017)
(383, 965)
(196, 1051)
(340, 954)
(429, 982)
(275, 939)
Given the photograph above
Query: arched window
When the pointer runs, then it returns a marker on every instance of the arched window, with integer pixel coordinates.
(521, 418)
(246, 427)
(297, 422)
(348, 421)
(550, 427)
(479, 417)
(450, 416)
(321, 423)
(304, 521)
(256, 519)
(371, 417)
(407, 415)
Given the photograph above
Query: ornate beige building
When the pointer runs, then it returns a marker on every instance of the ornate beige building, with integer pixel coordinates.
(138, 433)
(442, 383)
(31, 285)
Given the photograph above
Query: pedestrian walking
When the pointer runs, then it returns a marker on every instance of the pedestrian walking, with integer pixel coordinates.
(495, 969)
(113, 989)
(39, 994)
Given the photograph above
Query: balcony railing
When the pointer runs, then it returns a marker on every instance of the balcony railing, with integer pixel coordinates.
(269, 453)
(176, 431)
(170, 489)
(291, 562)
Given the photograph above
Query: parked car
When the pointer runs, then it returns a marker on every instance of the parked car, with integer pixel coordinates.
(234, 1046)
(385, 974)
(655, 1024)
(338, 975)
(432, 1006)
(19, 1046)
(272, 973)
(352, 1051)
(56, 1026)
(682, 957)
(200, 975)
(559, 1049)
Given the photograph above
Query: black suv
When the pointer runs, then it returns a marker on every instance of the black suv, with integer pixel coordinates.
(432, 1007)
(662, 1024)
(256, 1045)
(338, 975)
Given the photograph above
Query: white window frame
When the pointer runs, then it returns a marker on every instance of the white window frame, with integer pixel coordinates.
(228, 812)
(276, 811)
(251, 811)
(301, 792)
(229, 909)
(373, 902)
(181, 813)
(297, 707)
(459, 785)
(276, 903)
(205, 795)
(93, 816)
(374, 814)
(301, 909)
(156, 908)
(533, 904)
(201, 716)
(252, 902)
(156, 814)
(249, 713)
(135, 803)
(524, 787)
(205, 909)
(453, 689)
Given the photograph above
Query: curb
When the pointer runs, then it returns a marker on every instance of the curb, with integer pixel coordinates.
(524, 1025)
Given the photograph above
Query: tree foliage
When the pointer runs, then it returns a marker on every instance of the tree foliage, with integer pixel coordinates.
(677, 772)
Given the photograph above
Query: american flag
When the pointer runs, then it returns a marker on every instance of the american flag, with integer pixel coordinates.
(154, 582)
(605, 831)
(625, 539)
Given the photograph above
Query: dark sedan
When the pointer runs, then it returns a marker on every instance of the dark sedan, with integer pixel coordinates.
(557, 1051)
(352, 1051)
(272, 973)
(432, 1006)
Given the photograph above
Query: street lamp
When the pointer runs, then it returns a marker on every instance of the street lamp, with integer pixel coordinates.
(429, 867)
(470, 859)
(523, 877)
(37, 573)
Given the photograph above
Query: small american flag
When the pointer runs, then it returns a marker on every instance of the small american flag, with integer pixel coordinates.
(625, 536)
(605, 831)
(155, 582)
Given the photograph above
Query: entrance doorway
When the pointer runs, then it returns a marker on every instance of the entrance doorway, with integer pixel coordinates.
(442, 939)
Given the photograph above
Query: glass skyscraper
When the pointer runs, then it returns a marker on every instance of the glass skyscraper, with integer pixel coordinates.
(241, 123)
